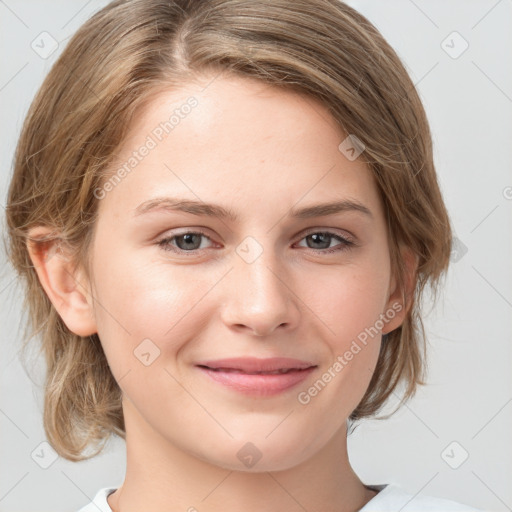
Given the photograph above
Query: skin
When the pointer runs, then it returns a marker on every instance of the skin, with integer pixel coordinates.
(258, 151)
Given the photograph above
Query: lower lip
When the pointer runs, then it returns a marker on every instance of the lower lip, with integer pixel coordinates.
(258, 385)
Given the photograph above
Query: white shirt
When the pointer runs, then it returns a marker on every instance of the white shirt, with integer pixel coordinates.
(391, 498)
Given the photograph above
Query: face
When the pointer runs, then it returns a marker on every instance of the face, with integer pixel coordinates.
(174, 287)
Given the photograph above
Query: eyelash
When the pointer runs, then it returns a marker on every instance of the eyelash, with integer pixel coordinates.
(345, 244)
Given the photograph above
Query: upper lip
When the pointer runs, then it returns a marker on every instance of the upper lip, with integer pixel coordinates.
(253, 364)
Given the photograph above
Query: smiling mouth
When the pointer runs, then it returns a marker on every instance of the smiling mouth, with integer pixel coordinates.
(274, 372)
(259, 384)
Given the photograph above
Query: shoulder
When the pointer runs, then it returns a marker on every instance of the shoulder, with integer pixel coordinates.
(99, 503)
(392, 497)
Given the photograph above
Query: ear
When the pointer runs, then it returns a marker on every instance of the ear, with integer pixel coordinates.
(400, 297)
(67, 288)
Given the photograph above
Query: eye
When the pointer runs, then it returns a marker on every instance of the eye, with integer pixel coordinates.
(189, 241)
(324, 239)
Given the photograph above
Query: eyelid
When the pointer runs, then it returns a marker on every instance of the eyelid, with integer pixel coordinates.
(346, 235)
(335, 231)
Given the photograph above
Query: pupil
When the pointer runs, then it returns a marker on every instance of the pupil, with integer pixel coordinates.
(188, 240)
(317, 236)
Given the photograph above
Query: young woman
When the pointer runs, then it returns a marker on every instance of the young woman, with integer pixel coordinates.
(225, 214)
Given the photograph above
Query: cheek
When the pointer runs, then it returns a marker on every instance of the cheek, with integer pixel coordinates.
(137, 301)
(350, 307)
(348, 303)
(348, 299)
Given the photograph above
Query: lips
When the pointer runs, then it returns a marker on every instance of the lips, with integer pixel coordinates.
(257, 377)
(257, 384)
(256, 366)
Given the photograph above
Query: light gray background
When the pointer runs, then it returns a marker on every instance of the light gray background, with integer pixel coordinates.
(468, 400)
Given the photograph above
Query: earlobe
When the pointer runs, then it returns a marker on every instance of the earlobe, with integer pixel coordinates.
(66, 287)
(400, 299)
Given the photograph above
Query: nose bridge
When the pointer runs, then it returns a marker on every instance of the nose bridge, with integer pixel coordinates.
(260, 299)
(257, 266)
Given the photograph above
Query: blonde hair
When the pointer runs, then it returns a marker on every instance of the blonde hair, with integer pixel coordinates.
(112, 67)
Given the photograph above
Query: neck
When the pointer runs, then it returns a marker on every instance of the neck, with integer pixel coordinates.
(161, 476)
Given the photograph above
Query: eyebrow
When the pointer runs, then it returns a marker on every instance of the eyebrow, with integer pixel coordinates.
(213, 210)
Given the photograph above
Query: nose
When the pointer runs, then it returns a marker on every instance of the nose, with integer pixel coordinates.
(259, 296)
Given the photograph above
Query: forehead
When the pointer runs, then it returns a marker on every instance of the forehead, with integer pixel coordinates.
(235, 137)
(232, 107)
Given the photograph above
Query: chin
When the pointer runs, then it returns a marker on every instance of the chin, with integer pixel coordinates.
(258, 456)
